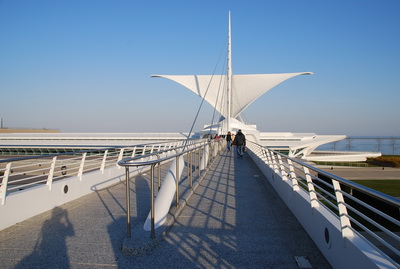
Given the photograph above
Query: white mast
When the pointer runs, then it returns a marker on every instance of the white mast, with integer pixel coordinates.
(229, 91)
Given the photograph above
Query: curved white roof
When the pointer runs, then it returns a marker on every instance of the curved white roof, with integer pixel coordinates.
(245, 88)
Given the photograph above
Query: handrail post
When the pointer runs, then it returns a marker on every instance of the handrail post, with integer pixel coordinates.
(177, 181)
(269, 158)
(205, 156)
(51, 173)
(198, 168)
(103, 163)
(4, 183)
(275, 163)
(120, 156)
(159, 172)
(343, 215)
(311, 189)
(144, 150)
(80, 172)
(153, 234)
(190, 169)
(293, 176)
(264, 154)
(128, 202)
(282, 167)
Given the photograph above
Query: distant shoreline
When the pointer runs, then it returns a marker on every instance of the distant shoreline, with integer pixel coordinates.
(27, 130)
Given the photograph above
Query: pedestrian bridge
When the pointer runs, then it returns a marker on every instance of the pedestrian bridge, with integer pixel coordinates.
(265, 210)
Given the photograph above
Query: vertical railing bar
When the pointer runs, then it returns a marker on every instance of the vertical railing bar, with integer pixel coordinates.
(51, 173)
(177, 180)
(190, 166)
(128, 202)
(120, 156)
(153, 234)
(80, 172)
(103, 163)
(133, 151)
(311, 189)
(4, 183)
(199, 159)
(293, 176)
(205, 153)
(159, 172)
(343, 215)
(282, 167)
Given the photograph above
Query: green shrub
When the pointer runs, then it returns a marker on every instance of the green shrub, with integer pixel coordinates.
(391, 161)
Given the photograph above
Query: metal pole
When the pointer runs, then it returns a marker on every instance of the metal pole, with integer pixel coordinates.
(153, 234)
(190, 166)
(177, 181)
(128, 202)
(199, 162)
(159, 173)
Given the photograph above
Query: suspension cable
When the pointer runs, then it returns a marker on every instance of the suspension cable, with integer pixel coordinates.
(202, 101)
(216, 101)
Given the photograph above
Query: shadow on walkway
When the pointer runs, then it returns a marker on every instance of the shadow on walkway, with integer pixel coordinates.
(233, 220)
(50, 241)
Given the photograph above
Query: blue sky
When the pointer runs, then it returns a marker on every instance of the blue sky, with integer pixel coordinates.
(85, 66)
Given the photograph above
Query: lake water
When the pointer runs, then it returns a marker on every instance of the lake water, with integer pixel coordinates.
(385, 145)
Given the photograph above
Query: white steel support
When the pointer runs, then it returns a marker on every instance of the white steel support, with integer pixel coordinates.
(143, 150)
(282, 167)
(343, 215)
(134, 152)
(4, 183)
(204, 158)
(80, 172)
(311, 189)
(295, 183)
(120, 156)
(51, 173)
(103, 163)
(275, 163)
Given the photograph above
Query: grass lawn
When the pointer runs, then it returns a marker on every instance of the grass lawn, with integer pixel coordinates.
(390, 187)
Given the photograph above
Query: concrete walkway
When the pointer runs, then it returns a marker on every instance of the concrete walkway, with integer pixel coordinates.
(233, 220)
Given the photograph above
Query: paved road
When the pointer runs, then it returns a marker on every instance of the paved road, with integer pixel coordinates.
(363, 173)
(233, 220)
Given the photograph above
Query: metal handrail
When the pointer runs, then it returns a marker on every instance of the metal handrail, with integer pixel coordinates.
(340, 200)
(134, 162)
(16, 175)
(366, 190)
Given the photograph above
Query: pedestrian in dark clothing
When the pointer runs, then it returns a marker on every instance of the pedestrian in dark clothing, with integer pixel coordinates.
(229, 140)
(240, 143)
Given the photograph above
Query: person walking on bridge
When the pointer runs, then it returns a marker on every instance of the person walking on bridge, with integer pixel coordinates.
(229, 140)
(240, 143)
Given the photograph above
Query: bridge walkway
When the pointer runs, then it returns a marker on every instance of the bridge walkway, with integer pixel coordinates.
(234, 219)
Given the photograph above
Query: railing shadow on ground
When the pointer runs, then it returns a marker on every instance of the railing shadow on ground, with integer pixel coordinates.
(228, 222)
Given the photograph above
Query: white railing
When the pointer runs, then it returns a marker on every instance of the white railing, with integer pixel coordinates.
(354, 226)
(60, 178)
(18, 174)
(198, 156)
